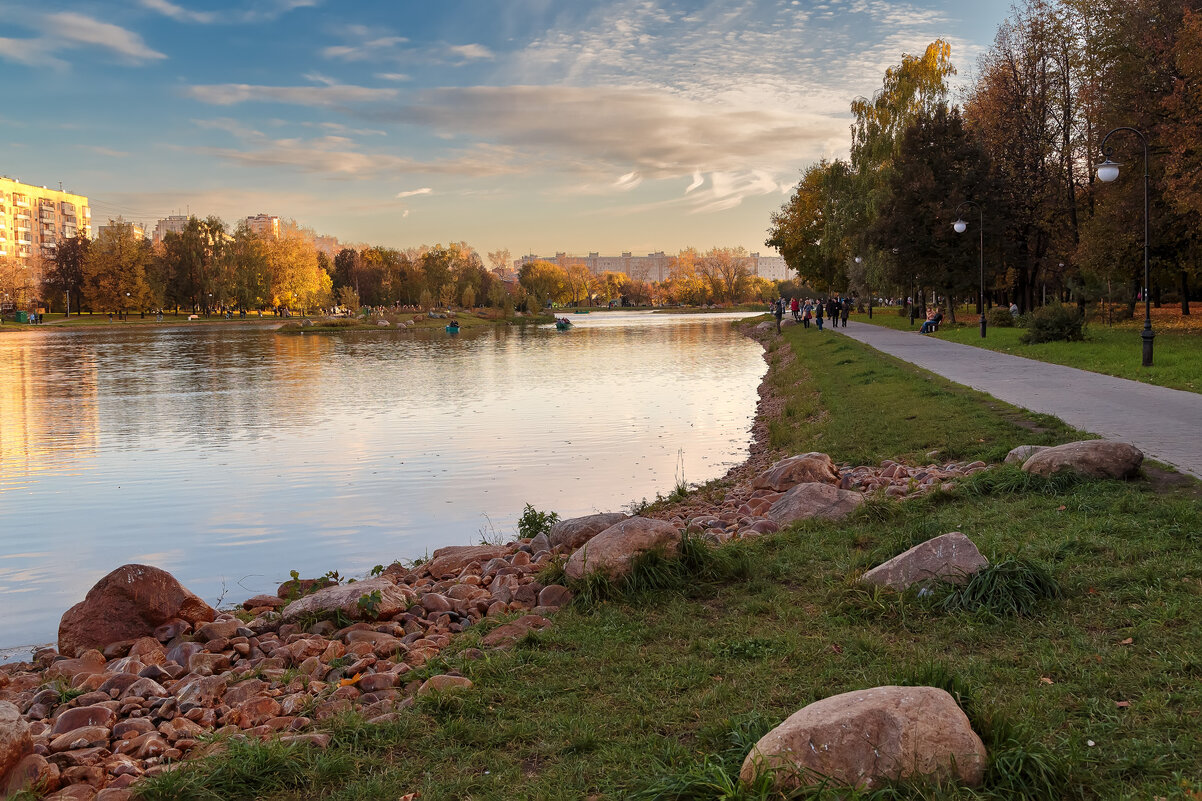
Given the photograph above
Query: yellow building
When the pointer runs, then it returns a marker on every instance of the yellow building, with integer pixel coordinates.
(34, 219)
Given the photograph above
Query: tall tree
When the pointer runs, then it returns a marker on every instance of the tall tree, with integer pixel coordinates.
(65, 273)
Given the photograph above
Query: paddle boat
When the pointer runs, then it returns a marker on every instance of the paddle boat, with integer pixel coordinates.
(453, 327)
(563, 324)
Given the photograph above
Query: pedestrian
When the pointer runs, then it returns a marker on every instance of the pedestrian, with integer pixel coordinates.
(845, 310)
(795, 306)
(806, 313)
(818, 314)
(778, 311)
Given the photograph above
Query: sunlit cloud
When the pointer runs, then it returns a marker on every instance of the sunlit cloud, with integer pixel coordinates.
(472, 52)
(397, 77)
(425, 190)
(628, 181)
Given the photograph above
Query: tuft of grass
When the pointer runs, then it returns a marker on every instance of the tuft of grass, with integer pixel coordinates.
(1009, 479)
(1013, 586)
(654, 572)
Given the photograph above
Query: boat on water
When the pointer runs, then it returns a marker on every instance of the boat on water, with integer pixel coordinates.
(563, 324)
(453, 328)
(581, 311)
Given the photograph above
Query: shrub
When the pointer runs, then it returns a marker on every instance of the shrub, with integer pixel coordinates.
(533, 522)
(1014, 586)
(1054, 324)
(1000, 317)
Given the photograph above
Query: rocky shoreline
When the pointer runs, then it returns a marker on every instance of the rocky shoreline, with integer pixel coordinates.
(145, 672)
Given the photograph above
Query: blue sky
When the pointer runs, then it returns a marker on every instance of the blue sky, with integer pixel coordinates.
(531, 125)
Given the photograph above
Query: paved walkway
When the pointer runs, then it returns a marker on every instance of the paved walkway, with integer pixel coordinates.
(1166, 424)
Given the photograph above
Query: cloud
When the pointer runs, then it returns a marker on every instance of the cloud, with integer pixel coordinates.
(405, 213)
(179, 13)
(78, 29)
(317, 77)
(472, 52)
(697, 182)
(398, 77)
(425, 190)
(334, 96)
(628, 181)
(34, 52)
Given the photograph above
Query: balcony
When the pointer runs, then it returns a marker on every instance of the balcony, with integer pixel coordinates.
(67, 208)
(20, 201)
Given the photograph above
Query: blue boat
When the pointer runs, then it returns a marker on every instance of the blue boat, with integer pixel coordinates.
(452, 329)
(563, 324)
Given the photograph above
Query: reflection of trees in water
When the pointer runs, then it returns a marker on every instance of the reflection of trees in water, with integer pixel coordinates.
(48, 407)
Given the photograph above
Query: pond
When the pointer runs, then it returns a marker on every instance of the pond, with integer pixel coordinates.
(229, 455)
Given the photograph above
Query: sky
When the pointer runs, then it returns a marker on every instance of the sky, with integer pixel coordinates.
(532, 125)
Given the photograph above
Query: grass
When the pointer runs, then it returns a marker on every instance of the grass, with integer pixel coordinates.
(1112, 350)
(657, 689)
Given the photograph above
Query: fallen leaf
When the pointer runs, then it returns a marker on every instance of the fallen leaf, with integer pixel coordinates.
(1122, 704)
(837, 648)
(1092, 591)
(410, 797)
(1046, 680)
(1061, 508)
(1127, 641)
(352, 680)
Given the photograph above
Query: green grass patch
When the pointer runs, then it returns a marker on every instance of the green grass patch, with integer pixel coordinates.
(658, 688)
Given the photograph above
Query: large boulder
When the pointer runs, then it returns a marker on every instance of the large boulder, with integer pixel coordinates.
(1097, 458)
(1022, 453)
(863, 738)
(129, 603)
(808, 468)
(452, 559)
(575, 532)
(344, 599)
(613, 550)
(950, 557)
(824, 501)
(15, 741)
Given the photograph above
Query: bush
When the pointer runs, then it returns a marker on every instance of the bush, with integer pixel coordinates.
(1000, 317)
(533, 522)
(1054, 324)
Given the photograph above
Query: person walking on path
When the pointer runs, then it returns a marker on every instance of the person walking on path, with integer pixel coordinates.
(795, 307)
(832, 311)
(845, 310)
(818, 314)
(778, 311)
(806, 313)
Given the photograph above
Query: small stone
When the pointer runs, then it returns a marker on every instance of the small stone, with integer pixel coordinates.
(444, 683)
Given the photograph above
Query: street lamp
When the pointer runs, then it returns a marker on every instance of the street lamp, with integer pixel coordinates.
(1109, 171)
(961, 226)
(913, 298)
(125, 311)
(867, 287)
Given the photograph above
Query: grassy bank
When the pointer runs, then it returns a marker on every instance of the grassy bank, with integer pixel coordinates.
(1113, 350)
(660, 691)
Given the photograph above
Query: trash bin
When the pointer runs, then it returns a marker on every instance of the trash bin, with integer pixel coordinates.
(22, 317)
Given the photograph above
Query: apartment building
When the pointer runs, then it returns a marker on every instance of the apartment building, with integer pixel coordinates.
(264, 225)
(34, 219)
(173, 224)
(139, 230)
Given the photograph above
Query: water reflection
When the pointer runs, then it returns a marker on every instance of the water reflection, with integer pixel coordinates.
(229, 456)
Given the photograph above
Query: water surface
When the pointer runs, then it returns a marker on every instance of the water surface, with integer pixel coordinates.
(231, 455)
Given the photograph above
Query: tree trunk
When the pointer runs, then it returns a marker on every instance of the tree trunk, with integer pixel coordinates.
(1184, 293)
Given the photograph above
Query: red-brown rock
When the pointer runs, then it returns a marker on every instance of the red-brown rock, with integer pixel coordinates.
(824, 501)
(576, 531)
(613, 551)
(129, 603)
(454, 558)
(15, 742)
(808, 468)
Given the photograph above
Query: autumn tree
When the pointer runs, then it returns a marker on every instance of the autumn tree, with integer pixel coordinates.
(65, 273)
(114, 270)
(728, 271)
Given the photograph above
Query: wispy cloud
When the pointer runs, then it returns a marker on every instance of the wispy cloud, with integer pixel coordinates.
(471, 52)
(398, 77)
(628, 181)
(331, 96)
(179, 13)
(425, 190)
(78, 29)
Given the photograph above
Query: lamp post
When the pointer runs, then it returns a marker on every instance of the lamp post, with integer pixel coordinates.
(125, 308)
(1109, 171)
(867, 287)
(961, 226)
(913, 298)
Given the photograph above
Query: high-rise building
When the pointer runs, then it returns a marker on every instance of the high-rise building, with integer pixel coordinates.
(264, 225)
(34, 219)
(174, 224)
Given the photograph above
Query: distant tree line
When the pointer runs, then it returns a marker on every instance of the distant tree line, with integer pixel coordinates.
(1024, 145)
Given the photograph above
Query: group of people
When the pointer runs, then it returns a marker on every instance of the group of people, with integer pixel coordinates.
(835, 309)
